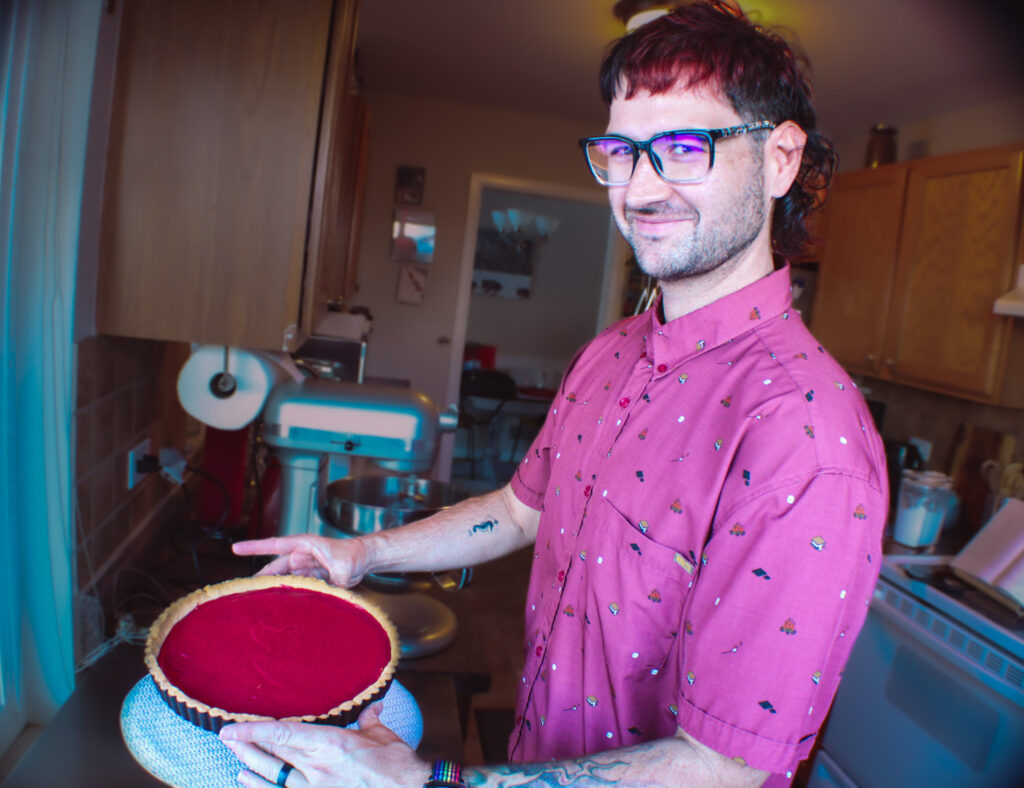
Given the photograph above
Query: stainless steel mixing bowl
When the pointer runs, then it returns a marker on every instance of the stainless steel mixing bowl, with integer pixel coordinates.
(360, 505)
(368, 504)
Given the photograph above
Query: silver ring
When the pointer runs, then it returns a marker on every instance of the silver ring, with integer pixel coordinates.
(282, 776)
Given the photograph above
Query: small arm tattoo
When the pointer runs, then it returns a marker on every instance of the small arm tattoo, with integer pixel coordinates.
(486, 525)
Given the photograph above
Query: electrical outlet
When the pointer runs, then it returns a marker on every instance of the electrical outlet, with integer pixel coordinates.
(135, 454)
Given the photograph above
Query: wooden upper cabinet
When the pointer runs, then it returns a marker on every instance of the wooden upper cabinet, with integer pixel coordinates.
(858, 265)
(215, 173)
(916, 255)
(957, 256)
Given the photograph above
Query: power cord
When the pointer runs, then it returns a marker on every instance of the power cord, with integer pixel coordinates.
(127, 632)
(257, 476)
(171, 465)
(224, 493)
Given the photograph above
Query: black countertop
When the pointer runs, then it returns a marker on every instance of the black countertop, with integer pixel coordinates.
(82, 747)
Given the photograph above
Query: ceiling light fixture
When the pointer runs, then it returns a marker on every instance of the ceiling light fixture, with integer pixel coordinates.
(634, 13)
(523, 227)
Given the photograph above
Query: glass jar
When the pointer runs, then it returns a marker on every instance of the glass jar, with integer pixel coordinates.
(926, 505)
(881, 146)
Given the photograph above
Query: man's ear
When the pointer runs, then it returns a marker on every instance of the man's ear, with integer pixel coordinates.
(783, 152)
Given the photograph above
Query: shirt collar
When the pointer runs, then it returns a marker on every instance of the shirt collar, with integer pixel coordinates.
(670, 344)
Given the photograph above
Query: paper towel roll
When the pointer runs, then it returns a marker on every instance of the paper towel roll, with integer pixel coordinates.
(255, 373)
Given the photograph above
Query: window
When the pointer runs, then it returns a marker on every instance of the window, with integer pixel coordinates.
(46, 51)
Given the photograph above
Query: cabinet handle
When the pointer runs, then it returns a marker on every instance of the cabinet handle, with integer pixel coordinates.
(890, 362)
(872, 358)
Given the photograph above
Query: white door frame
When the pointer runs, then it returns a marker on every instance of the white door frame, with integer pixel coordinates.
(611, 280)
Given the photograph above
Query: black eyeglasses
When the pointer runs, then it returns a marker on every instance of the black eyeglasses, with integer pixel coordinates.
(684, 156)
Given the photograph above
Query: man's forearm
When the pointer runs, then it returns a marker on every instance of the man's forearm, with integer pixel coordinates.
(672, 762)
(471, 532)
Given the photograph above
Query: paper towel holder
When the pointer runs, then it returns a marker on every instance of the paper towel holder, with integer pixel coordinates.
(223, 384)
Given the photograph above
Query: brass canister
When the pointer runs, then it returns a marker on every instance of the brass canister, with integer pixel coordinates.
(881, 146)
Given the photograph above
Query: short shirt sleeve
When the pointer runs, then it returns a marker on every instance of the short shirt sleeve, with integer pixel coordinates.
(782, 592)
(530, 479)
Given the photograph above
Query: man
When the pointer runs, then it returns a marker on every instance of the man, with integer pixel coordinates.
(707, 495)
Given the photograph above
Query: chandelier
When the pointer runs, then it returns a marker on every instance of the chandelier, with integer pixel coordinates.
(521, 227)
(634, 13)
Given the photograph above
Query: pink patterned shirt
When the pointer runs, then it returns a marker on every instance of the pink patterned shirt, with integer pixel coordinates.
(713, 493)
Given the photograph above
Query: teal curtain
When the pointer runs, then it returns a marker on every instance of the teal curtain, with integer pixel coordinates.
(48, 51)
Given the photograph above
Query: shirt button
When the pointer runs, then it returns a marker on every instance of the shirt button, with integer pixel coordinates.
(662, 367)
(624, 402)
(587, 490)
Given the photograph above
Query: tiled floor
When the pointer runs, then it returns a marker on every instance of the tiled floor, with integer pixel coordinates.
(498, 623)
(500, 629)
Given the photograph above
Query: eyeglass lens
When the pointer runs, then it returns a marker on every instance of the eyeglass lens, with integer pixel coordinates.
(680, 157)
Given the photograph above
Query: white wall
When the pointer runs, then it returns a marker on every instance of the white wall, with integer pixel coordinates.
(546, 329)
(451, 141)
(982, 126)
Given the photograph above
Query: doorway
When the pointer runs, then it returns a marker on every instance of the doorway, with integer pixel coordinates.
(568, 285)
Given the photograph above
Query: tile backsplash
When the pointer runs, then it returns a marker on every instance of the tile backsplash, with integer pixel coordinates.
(126, 392)
(915, 413)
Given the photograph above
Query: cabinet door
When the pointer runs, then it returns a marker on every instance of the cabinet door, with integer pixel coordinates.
(858, 265)
(337, 196)
(210, 169)
(956, 258)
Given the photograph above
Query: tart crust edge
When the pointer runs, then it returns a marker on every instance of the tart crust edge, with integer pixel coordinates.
(180, 608)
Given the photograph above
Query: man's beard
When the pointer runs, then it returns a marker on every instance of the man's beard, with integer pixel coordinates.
(711, 242)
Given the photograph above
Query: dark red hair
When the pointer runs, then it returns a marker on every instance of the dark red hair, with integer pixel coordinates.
(713, 43)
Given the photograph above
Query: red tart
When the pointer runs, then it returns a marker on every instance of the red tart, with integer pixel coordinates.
(271, 648)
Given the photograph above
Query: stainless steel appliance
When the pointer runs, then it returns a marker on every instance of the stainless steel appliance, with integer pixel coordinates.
(370, 504)
(316, 427)
(933, 693)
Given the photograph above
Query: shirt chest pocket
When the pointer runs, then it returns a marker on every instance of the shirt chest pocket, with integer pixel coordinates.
(634, 591)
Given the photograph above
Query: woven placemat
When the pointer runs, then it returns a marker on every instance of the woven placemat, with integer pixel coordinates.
(185, 756)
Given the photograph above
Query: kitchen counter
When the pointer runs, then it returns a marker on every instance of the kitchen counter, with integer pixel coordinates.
(82, 745)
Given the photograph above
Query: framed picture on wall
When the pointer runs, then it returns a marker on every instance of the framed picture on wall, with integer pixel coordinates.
(409, 183)
(412, 285)
(412, 236)
(502, 266)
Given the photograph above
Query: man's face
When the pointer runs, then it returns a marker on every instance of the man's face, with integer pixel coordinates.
(682, 230)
